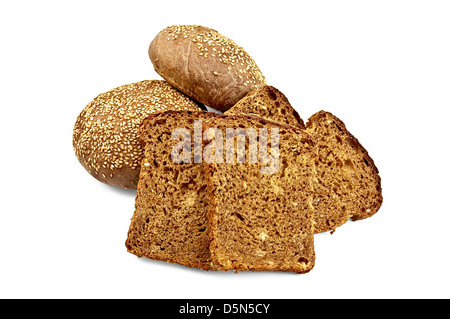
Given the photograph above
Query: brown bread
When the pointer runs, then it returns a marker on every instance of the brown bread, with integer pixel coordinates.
(268, 103)
(348, 184)
(169, 222)
(262, 221)
(205, 65)
(105, 135)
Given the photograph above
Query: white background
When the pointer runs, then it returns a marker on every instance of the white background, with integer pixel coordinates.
(383, 67)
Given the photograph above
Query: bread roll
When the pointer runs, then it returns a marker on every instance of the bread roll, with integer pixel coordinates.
(205, 65)
(105, 136)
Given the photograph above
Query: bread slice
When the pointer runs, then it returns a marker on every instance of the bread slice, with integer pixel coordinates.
(348, 184)
(169, 222)
(261, 221)
(268, 103)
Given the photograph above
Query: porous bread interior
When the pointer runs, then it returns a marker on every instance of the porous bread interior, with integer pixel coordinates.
(347, 184)
(268, 103)
(169, 222)
(263, 221)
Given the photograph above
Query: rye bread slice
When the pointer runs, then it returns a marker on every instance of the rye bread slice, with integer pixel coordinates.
(169, 222)
(269, 103)
(261, 221)
(348, 184)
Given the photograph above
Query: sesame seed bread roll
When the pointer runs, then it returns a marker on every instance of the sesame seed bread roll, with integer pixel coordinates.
(105, 135)
(205, 65)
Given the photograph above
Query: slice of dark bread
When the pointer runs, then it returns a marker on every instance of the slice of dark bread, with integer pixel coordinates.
(261, 221)
(268, 103)
(169, 222)
(348, 184)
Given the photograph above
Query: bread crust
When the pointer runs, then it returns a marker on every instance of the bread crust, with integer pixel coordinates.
(205, 65)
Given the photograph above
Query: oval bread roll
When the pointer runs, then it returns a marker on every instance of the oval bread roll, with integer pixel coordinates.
(205, 65)
(105, 136)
